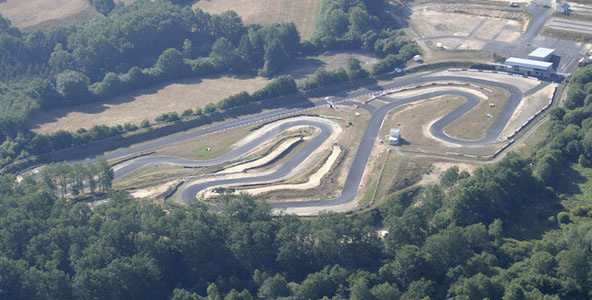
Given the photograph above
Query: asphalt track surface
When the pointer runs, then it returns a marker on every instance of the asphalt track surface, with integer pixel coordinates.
(363, 152)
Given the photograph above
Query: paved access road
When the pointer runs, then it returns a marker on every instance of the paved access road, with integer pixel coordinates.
(363, 152)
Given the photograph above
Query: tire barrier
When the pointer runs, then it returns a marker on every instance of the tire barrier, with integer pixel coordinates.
(431, 84)
(493, 72)
(538, 113)
(482, 157)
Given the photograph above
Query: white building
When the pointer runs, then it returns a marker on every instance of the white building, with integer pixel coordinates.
(529, 67)
(541, 54)
(395, 136)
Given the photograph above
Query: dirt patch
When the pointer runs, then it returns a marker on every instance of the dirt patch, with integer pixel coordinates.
(429, 23)
(264, 160)
(143, 104)
(527, 108)
(155, 192)
(437, 169)
(303, 12)
(466, 27)
(24, 14)
(314, 180)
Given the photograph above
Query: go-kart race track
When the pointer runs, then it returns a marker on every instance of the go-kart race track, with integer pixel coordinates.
(362, 155)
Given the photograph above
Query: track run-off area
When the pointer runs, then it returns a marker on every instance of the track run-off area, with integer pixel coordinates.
(454, 86)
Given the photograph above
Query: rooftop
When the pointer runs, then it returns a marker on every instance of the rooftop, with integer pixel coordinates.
(541, 52)
(395, 132)
(529, 63)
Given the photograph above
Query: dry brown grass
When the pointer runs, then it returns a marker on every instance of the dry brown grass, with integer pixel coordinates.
(302, 12)
(143, 104)
(29, 13)
(414, 117)
(475, 123)
(176, 96)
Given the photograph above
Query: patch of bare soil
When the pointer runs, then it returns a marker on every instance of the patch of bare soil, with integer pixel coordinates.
(302, 12)
(143, 104)
(438, 168)
(28, 13)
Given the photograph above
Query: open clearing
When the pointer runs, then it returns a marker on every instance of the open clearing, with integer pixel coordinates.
(412, 119)
(465, 28)
(570, 25)
(529, 106)
(476, 122)
(302, 12)
(143, 104)
(29, 13)
(176, 96)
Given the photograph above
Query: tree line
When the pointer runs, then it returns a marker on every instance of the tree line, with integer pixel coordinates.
(149, 42)
(441, 245)
(76, 178)
(506, 231)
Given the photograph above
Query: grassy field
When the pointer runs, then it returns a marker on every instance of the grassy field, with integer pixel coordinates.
(197, 148)
(412, 119)
(566, 35)
(32, 13)
(303, 12)
(176, 96)
(144, 104)
(475, 123)
(527, 147)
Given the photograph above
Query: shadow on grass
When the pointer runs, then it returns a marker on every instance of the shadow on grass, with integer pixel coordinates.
(534, 219)
(539, 216)
(568, 183)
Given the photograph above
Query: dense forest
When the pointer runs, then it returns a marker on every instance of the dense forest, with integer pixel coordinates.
(149, 42)
(513, 230)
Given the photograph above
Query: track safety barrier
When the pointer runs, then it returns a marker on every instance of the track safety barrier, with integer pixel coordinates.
(517, 131)
(493, 72)
(395, 91)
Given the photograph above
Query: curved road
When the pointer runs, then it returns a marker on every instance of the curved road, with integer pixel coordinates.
(363, 152)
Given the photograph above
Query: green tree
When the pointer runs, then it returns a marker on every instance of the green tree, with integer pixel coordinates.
(182, 294)
(360, 290)
(73, 86)
(276, 57)
(385, 291)
(171, 63)
(78, 175)
(274, 287)
(354, 70)
(106, 174)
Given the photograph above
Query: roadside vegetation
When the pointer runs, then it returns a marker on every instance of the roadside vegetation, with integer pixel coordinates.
(146, 42)
(519, 229)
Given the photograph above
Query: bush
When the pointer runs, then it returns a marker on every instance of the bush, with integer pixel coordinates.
(145, 123)
(210, 108)
(563, 218)
(127, 127)
(197, 111)
(581, 210)
(162, 118)
(324, 78)
(187, 112)
(281, 86)
(241, 98)
(173, 116)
